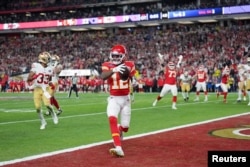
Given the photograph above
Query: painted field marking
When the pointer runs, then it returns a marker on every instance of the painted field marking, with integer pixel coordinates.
(110, 141)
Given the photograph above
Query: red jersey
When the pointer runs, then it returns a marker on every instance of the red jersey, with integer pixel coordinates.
(201, 76)
(160, 81)
(224, 78)
(117, 86)
(225, 75)
(170, 76)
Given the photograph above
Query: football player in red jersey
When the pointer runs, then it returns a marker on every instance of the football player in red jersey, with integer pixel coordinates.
(224, 83)
(201, 80)
(170, 83)
(119, 101)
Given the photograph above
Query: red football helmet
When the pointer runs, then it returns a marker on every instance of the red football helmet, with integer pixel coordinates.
(117, 54)
(171, 65)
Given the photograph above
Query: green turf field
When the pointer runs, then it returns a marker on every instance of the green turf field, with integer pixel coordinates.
(84, 120)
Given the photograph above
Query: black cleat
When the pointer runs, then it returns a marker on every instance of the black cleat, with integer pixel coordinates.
(59, 112)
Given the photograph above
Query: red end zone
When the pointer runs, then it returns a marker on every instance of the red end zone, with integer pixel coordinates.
(177, 148)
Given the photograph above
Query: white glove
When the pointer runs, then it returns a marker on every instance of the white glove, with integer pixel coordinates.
(47, 95)
(180, 60)
(56, 63)
(120, 68)
(160, 56)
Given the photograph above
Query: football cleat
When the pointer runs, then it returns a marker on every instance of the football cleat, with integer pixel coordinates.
(43, 125)
(47, 113)
(174, 108)
(118, 152)
(59, 111)
(155, 102)
(120, 132)
(54, 117)
(197, 99)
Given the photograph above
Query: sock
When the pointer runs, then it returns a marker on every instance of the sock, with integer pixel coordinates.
(54, 102)
(114, 131)
(159, 98)
(174, 99)
(123, 129)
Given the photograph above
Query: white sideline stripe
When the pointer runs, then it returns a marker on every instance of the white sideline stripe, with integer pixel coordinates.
(110, 141)
(84, 115)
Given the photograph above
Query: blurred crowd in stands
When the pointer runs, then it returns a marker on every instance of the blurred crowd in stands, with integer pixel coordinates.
(42, 10)
(211, 44)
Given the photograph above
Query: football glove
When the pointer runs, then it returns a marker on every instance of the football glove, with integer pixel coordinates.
(120, 68)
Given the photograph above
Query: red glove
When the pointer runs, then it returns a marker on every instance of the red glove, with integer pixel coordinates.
(35, 76)
(52, 86)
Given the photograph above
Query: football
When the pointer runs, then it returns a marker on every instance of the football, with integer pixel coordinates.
(124, 76)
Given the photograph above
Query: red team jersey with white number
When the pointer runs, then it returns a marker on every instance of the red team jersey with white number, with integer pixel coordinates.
(170, 76)
(201, 76)
(117, 86)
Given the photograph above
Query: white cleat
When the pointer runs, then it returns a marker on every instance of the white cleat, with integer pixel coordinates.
(205, 100)
(196, 99)
(54, 117)
(174, 108)
(43, 126)
(244, 99)
(118, 152)
(155, 102)
(249, 104)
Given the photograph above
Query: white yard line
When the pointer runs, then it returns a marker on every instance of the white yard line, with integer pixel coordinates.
(110, 141)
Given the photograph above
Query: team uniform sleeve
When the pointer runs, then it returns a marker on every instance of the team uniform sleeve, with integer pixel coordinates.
(33, 67)
(105, 67)
(131, 65)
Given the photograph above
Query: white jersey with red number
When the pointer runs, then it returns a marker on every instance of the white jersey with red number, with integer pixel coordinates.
(44, 75)
(117, 86)
(201, 76)
(170, 76)
(247, 71)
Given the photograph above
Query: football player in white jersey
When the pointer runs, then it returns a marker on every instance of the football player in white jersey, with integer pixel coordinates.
(241, 82)
(40, 74)
(247, 68)
(185, 82)
(53, 85)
